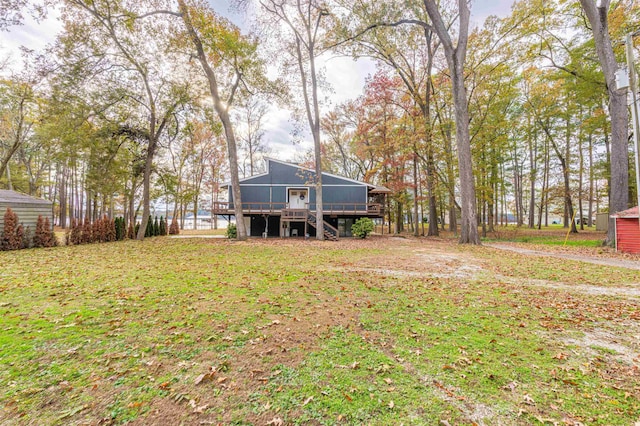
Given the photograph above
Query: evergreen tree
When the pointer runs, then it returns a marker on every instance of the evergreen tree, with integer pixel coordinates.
(87, 232)
(109, 226)
(10, 240)
(40, 237)
(163, 226)
(27, 238)
(156, 227)
(51, 240)
(119, 225)
(20, 236)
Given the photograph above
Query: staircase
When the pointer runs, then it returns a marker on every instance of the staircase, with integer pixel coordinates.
(330, 233)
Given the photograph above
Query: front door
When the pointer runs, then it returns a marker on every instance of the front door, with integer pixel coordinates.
(298, 198)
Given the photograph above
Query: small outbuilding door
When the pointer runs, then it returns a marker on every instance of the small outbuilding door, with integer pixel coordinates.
(298, 198)
(627, 231)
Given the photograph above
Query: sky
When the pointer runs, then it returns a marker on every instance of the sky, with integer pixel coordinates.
(345, 76)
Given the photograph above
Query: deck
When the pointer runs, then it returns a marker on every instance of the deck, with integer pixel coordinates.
(282, 209)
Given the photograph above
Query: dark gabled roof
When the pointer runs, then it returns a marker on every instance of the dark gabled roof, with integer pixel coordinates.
(13, 197)
(375, 189)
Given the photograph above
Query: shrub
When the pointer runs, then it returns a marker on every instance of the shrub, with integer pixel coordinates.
(109, 227)
(27, 238)
(156, 227)
(130, 231)
(44, 236)
(73, 235)
(20, 236)
(89, 232)
(10, 239)
(135, 230)
(163, 226)
(41, 237)
(362, 227)
(174, 229)
(52, 240)
(232, 231)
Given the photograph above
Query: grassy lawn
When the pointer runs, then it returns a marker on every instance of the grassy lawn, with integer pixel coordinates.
(383, 331)
(553, 235)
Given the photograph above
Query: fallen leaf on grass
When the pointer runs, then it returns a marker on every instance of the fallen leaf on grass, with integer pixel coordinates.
(511, 386)
(308, 400)
(205, 377)
(391, 405)
(196, 408)
(276, 421)
(71, 412)
(528, 400)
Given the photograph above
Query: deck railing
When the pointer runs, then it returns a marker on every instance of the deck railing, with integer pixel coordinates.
(364, 209)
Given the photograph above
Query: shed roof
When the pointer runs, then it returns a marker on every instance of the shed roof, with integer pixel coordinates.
(630, 213)
(13, 197)
(380, 190)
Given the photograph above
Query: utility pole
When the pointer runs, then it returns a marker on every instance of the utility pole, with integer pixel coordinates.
(634, 109)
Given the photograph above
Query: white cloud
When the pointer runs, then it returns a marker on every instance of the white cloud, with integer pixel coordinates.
(346, 77)
(482, 9)
(31, 35)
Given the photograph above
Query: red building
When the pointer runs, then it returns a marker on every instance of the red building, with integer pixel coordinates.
(628, 231)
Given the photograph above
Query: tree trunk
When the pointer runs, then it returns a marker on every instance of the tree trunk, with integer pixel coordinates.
(415, 195)
(580, 180)
(455, 60)
(619, 196)
(591, 179)
(146, 180)
(9, 183)
(533, 164)
(63, 198)
(223, 114)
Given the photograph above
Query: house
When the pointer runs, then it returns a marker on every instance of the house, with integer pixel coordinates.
(26, 207)
(282, 202)
(627, 227)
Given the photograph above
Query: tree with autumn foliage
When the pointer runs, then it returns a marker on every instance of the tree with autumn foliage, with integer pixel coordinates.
(383, 137)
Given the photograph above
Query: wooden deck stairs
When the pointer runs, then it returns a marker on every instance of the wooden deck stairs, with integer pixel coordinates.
(330, 232)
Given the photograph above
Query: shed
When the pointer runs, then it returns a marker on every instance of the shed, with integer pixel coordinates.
(627, 230)
(602, 222)
(27, 208)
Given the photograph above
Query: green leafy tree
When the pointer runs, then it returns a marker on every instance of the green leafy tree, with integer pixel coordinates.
(362, 227)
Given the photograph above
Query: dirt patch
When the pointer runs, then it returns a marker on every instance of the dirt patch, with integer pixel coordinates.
(621, 348)
(619, 263)
(626, 292)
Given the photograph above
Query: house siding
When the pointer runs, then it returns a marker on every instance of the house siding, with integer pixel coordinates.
(272, 188)
(628, 235)
(27, 214)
